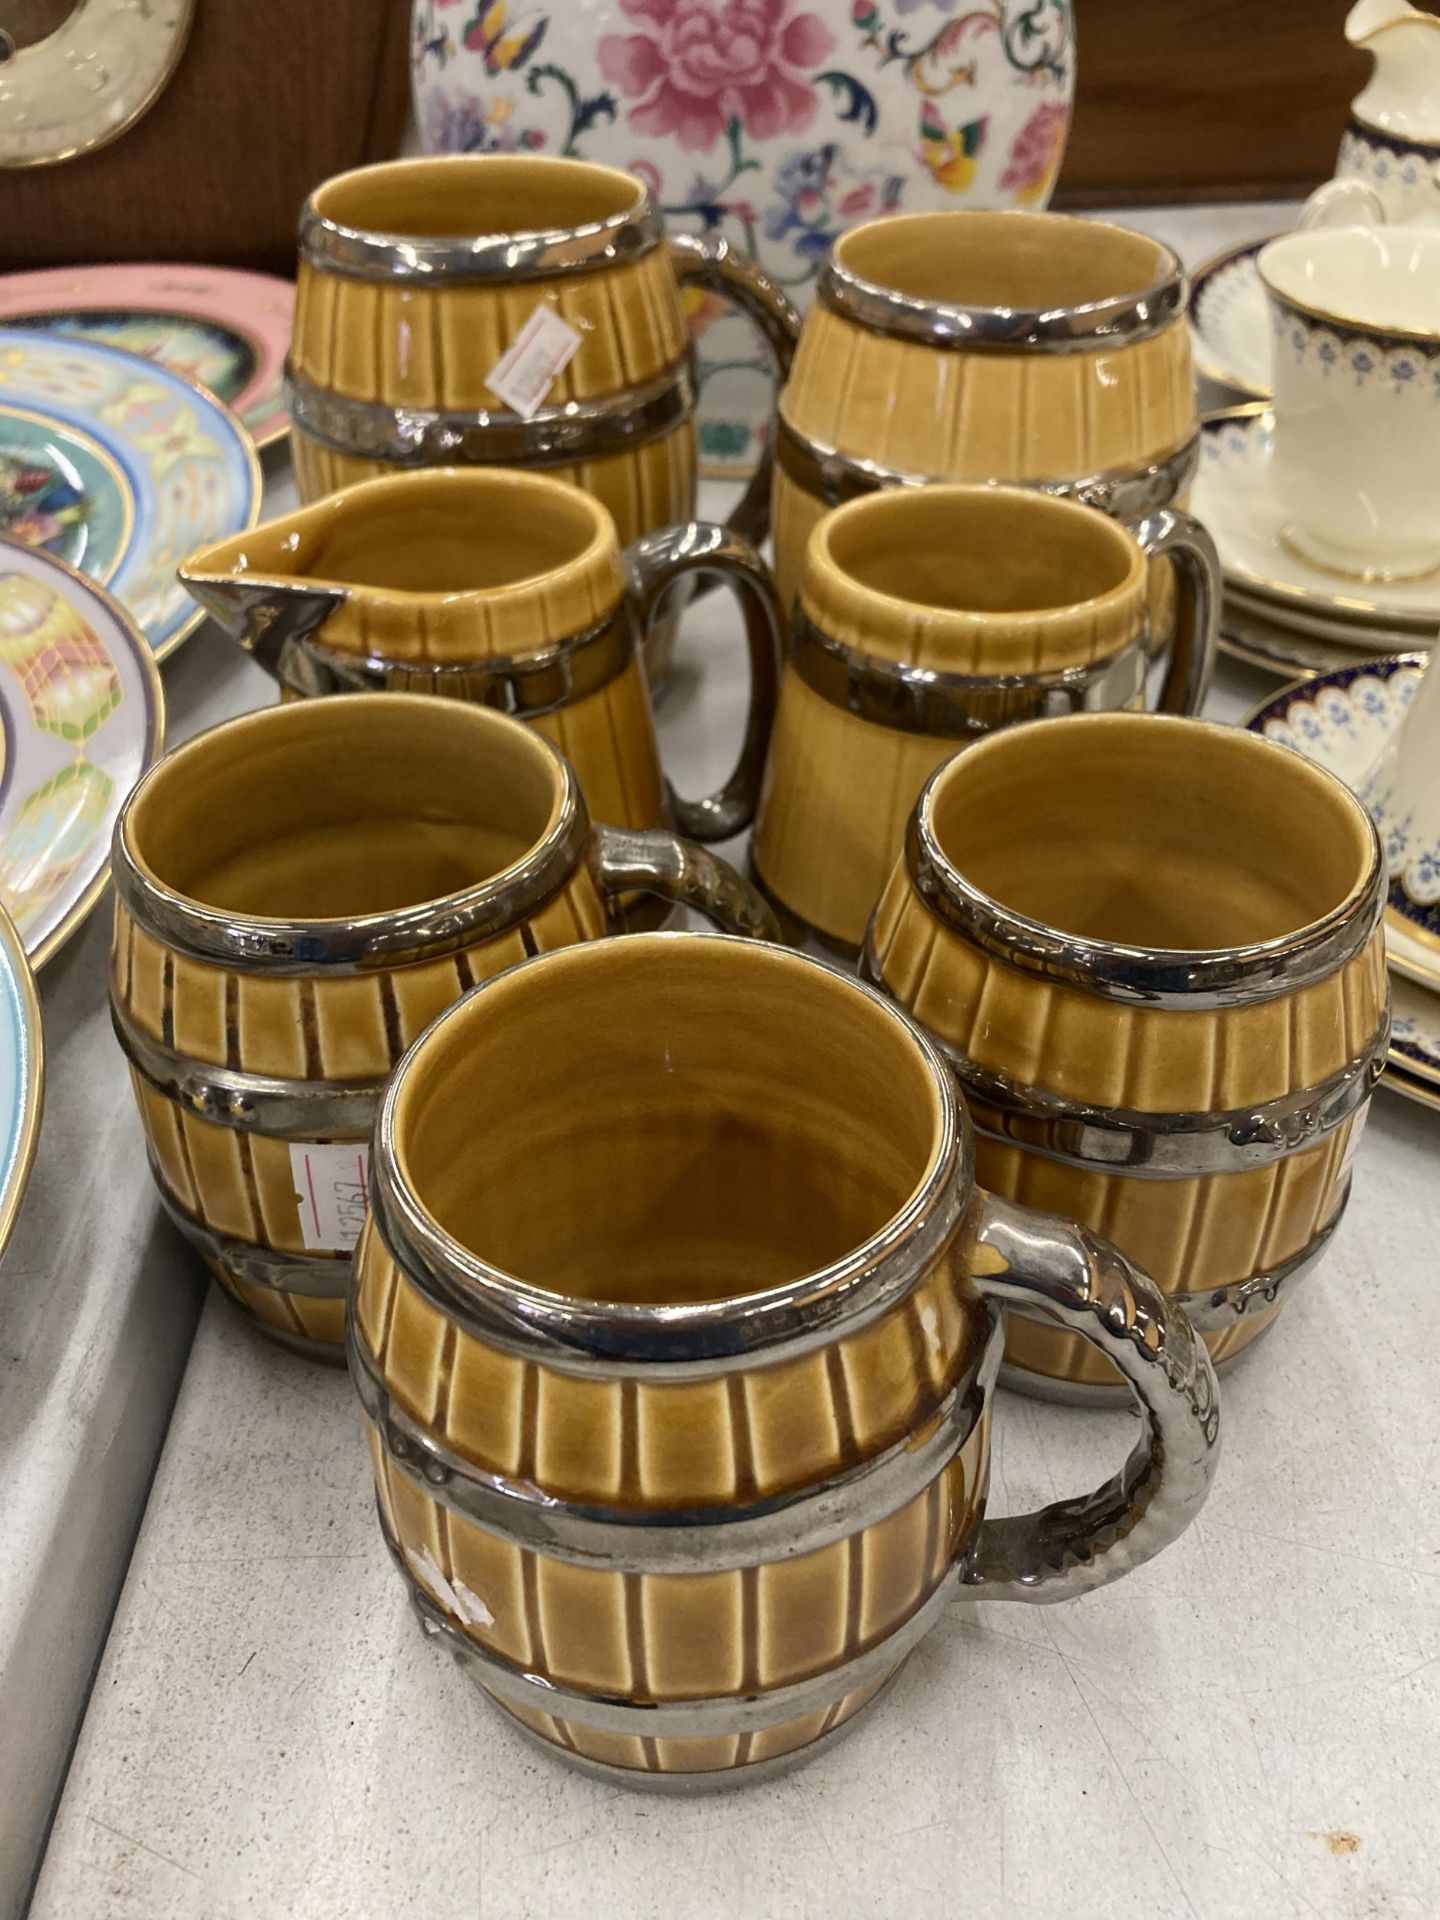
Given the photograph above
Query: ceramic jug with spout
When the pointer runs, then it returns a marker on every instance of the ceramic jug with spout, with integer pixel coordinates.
(1392, 138)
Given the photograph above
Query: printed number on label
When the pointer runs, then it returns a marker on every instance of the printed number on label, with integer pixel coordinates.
(330, 1191)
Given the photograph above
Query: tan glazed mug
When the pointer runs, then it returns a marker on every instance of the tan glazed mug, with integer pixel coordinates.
(680, 1415)
(1026, 347)
(419, 278)
(1150, 949)
(928, 616)
(299, 893)
(508, 589)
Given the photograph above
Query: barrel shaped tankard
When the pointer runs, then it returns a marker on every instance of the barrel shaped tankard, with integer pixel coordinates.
(1025, 347)
(680, 1414)
(1150, 949)
(300, 891)
(507, 589)
(422, 280)
(927, 617)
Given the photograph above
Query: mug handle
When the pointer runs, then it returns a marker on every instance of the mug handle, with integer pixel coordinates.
(1046, 1266)
(653, 860)
(654, 563)
(718, 267)
(1342, 203)
(1182, 540)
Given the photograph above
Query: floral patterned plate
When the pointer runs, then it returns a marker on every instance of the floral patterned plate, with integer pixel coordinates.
(1342, 720)
(81, 718)
(1229, 324)
(22, 1074)
(191, 464)
(225, 329)
(1233, 497)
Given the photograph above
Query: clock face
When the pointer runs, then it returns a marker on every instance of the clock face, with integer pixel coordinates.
(75, 73)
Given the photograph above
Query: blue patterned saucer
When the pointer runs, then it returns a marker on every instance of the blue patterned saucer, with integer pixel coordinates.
(1342, 721)
(1229, 321)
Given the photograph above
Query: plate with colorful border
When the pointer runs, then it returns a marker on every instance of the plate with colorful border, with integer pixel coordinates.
(22, 1074)
(190, 466)
(81, 718)
(223, 328)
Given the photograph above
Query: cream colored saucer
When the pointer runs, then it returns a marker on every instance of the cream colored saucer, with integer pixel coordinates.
(1233, 497)
(1229, 322)
(1250, 631)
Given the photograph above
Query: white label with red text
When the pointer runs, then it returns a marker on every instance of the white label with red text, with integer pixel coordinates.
(522, 376)
(330, 1191)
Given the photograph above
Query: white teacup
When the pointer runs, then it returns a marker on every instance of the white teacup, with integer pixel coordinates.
(1355, 313)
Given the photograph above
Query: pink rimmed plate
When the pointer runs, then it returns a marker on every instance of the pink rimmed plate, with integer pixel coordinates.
(224, 328)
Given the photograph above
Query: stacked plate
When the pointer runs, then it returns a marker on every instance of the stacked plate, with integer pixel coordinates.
(1281, 612)
(1342, 719)
(118, 456)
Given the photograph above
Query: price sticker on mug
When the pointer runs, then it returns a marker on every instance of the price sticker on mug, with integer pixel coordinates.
(331, 1185)
(523, 374)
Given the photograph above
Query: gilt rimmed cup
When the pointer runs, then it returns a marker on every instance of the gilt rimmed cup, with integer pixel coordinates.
(1355, 326)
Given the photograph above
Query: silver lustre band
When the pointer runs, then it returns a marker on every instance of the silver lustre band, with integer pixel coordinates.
(556, 436)
(829, 474)
(951, 706)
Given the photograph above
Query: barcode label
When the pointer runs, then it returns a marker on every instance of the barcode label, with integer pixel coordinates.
(330, 1191)
(522, 375)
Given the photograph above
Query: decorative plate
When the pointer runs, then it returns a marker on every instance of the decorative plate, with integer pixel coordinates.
(1233, 497)
(1229, 321)
(81, 718)
(63, 491)
(1342, 720)
(88, 78)
(777, 123)
(227, 330)
(190, 464)
(22, 1074)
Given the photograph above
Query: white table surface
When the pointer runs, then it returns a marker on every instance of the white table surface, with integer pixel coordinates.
(1249, 1726)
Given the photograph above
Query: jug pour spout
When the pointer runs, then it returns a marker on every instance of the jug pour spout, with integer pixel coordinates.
(269, 618)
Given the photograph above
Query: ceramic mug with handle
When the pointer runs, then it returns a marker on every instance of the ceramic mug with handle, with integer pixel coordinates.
(299, 892)
(680, 1417)
(927, 617)
(523, 310)
(1150, 948)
